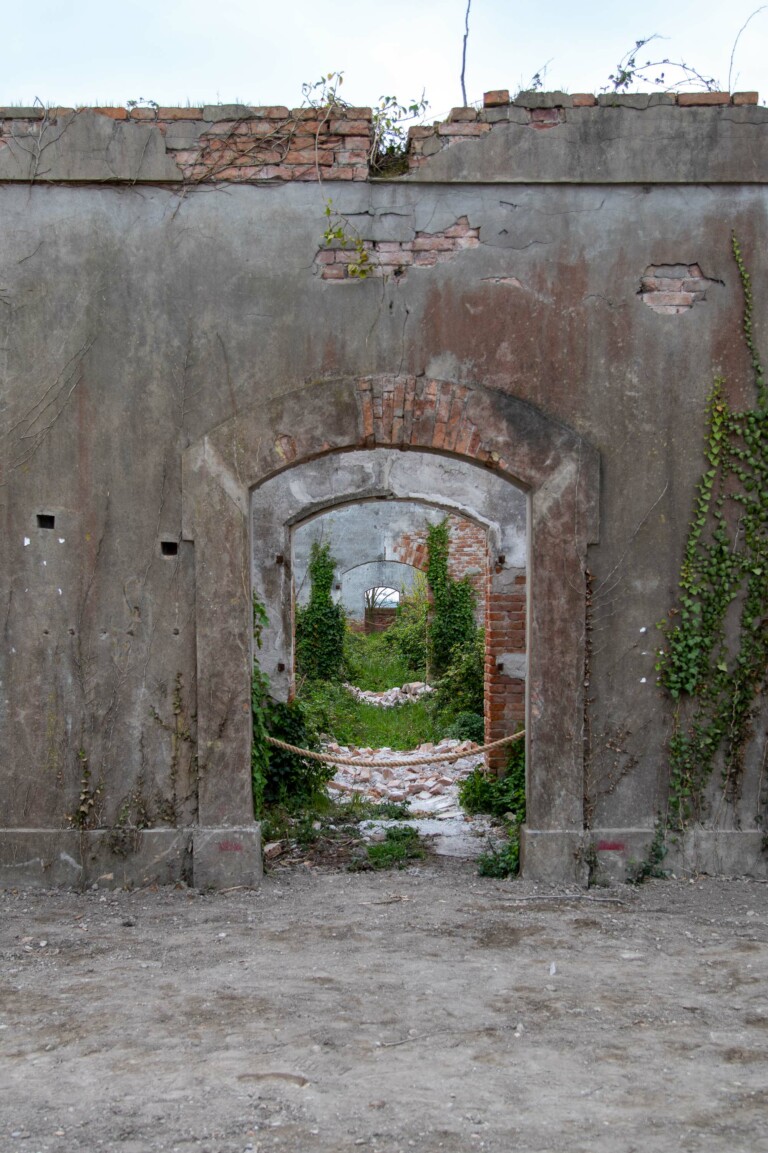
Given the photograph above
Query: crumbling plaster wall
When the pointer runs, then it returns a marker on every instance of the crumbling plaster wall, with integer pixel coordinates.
(137, 315)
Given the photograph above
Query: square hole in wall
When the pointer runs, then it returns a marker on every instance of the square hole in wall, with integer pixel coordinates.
(169, 547)
(46, 520)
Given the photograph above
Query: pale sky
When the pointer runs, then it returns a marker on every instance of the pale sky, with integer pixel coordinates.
(260, 52)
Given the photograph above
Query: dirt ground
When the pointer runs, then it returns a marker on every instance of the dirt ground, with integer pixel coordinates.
(427, 1009)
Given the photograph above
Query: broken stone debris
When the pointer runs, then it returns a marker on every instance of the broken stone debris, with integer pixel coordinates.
(431, 792)
(391, 697)
(426, 788)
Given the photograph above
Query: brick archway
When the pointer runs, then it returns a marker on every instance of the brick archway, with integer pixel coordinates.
(557, 469)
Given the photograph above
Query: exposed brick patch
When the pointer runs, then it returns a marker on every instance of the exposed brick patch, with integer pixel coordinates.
(270, 145)
(505, 630)
(547, 117)
(673, 288)
(467, 554)
(425, 414)
(584, 100)
(395, 257)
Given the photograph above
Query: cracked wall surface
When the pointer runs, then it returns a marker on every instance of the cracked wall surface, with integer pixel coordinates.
(142, 310)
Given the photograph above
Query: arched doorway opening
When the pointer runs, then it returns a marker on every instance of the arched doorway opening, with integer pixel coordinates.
(477, 433)
(342, 487)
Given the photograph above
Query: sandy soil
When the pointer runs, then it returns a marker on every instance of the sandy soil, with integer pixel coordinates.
(428, 1009)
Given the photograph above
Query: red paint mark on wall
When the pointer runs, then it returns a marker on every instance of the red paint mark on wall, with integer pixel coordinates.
(230, 847)
(611, 846)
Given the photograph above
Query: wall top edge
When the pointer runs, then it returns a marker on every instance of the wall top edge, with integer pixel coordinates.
(494, 99)
(534, 137)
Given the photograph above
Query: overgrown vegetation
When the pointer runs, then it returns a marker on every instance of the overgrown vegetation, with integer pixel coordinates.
(434, 636)
(503, 798)
(715, 657)
(320, 625)
(650, 866)
(387, 156)
(655, 72)
(373, 662)
(401, 845)
(332, 710)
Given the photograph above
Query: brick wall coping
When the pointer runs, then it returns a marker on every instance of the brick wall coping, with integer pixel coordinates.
(242, 144)
(498, 98)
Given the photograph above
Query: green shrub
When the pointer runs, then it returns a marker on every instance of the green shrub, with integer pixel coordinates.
(409, 633)
(461, 688)
(293, 782)
(466, 727)
(484, 792)
(320, 625)
(401, 844)
(503, 862)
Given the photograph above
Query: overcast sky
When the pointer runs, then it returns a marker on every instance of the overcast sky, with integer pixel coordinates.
(260, 52)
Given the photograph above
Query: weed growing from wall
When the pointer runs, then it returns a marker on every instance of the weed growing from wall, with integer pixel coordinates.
(715, 656)
(387, 156)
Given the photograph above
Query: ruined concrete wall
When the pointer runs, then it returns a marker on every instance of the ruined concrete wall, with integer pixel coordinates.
(144, 301)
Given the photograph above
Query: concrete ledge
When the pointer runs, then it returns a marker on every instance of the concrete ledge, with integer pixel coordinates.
(226, 856)
(720, 853)
(109, 857)
(113, 858)
(554, 856)
(609, 856)
(612, 854)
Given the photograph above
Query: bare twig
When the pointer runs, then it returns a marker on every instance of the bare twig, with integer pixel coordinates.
(464, 53)
(743, 28)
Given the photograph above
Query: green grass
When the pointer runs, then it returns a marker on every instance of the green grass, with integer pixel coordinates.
(333, 710)
(503, 862)
(373, 664)
(401, 844)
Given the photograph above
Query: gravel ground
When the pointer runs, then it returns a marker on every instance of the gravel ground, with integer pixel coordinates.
(428, 1009)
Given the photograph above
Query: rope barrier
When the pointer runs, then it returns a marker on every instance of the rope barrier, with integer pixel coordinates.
(329, 759)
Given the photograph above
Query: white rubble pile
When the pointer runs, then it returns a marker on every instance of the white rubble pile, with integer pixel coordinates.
(391, 697)
(431, 789)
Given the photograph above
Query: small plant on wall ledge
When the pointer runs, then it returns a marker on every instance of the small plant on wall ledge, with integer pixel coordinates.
(714, 663)
(655, 72)
(387, 156)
